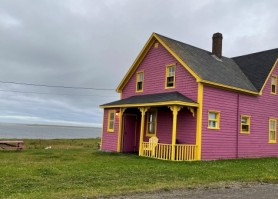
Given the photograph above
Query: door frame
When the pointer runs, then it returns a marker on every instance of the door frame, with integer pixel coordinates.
(123, 129)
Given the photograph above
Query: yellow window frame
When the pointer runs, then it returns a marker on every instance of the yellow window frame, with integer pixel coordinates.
(273, 84)
(154, 111)
(272, 130)
(110, 119)
(248, 123)
(137, 81)
(216, 120)
(167, 75)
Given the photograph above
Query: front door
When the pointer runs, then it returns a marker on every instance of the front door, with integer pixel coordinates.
(129, 137)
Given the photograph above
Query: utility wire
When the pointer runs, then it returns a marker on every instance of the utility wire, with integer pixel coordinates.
(14, 91)
(54, 86)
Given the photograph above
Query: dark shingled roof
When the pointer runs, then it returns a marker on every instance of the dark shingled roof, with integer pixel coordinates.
(152, 98)
(257, 66)
(207, 67)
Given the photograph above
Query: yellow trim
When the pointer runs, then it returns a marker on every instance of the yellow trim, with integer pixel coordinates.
(217, 120)
(167, 75)
(229, 87)
(199, 121)
(137, 75)
(136, 63)
(148, 134)
(269, 130)
(177, 58)
(275, 84)
(143, 112)
(111, 130)
(153, 104)
(156, 45)
(119, 147)
(271, 71)
(248, 123)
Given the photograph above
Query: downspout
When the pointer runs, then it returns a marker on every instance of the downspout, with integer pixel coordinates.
(237, 129)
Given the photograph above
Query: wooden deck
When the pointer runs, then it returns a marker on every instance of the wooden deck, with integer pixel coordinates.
(12, 144)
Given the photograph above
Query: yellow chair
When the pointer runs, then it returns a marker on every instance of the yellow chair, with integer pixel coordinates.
(150, 147)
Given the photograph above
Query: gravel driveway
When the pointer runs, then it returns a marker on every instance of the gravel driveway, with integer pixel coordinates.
(235, 190)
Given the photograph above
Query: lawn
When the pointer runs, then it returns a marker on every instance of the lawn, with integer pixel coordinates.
(75, 169)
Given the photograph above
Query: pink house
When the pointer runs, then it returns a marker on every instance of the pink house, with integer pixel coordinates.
(180, 102)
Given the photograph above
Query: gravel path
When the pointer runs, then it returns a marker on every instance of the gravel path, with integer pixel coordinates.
(235, 190)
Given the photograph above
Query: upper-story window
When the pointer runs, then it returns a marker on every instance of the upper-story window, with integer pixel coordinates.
(273, 84)
(139, 81)
(170, 76)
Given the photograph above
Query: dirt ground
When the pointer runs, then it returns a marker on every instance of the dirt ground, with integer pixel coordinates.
(233, 190)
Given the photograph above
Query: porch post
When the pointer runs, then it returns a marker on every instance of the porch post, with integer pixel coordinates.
(143, 111)
(175, 109)
(119, 147)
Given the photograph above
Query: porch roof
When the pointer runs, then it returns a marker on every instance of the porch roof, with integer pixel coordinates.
(158, 99)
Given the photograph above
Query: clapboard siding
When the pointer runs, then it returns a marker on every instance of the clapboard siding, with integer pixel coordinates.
(109, 139)
(220, 143)
(228, 142)
(154, 67)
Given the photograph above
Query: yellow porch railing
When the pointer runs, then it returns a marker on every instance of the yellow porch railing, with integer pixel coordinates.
(183, 152)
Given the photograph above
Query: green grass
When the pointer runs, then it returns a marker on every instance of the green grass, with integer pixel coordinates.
(75, 169)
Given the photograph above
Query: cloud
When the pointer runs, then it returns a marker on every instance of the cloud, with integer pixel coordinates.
(91, 43)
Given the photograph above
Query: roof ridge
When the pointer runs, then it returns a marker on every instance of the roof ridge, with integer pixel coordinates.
(265, 51)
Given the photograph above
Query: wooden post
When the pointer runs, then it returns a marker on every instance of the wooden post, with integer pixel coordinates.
(175, 109)
(143, 111)
(120, 136)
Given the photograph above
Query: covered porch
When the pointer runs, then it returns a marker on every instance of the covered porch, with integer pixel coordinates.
(161, 126)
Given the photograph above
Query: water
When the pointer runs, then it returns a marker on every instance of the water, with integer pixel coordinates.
(21, 131)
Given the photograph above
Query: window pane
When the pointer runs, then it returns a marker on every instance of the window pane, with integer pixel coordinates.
(273, 88)
(111, 124)
(244, 120)
(273, 80)
(213, 124)
(272, 135)
(245, 128)
(139, 86)
(212, 116)
(140, 77)
(151, 128)
(272, 125)
(112, 115)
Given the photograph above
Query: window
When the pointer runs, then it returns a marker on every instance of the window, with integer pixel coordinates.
(111, 120)
(170, 76)
(272, 130)
(273, 84)
(151, 123)
(156, 45)
(213, 120)
(245, 124)
(139, 81)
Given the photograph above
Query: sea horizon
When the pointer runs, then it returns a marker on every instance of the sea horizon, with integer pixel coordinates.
(47, 131)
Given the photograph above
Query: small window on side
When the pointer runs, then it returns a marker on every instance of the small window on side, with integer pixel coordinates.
(272, 130)
(111, 120)
(245, 124)
(213, 120)
(273, 84)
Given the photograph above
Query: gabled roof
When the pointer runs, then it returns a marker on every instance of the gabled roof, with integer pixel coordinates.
(237, 73)
(166, 98)
(257, 66)
(209, 68)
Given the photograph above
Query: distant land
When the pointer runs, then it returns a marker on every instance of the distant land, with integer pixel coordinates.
(47, 131)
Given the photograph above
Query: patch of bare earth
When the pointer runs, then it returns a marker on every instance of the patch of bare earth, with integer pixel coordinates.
(231, 190)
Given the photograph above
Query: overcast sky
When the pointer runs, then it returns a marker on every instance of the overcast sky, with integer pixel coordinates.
(92, 43)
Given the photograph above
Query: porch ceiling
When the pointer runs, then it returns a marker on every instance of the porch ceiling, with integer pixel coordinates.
(159, 99)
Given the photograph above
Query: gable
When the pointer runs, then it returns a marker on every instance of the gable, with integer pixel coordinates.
(258, 66)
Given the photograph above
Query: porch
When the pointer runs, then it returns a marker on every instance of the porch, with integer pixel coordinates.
(173, 122)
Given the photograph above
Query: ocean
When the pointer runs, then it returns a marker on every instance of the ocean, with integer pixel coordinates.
(35, 131)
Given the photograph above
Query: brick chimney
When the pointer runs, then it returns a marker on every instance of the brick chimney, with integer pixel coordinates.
(217, 44)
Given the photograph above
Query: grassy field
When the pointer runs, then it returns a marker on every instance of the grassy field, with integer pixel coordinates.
(75, 169)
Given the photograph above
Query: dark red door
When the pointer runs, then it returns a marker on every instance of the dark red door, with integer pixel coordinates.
(129, 138)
